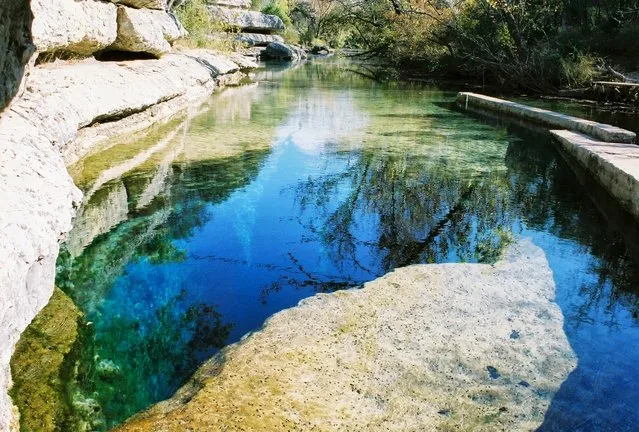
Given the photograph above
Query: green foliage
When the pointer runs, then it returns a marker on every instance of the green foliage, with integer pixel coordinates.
(278, 8)
(321, 19)
(204, 32)
(578, 69)
(534, 45)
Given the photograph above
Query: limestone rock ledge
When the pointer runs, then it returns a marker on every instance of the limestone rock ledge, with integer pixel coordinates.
(78, 105)
(66, 111)
(247, 20)
(80, 27)
(427, 347)
(146, 31)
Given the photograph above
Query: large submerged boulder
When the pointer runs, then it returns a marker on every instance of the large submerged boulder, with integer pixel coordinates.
(15, 45)
(424, 348)
(146, 31)
(247, 20)
(74, 27)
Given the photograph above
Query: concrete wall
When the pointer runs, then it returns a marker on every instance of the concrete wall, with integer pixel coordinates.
(551, 119)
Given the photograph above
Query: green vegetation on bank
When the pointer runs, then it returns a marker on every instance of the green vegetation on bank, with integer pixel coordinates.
(532, 45)
(203, 30)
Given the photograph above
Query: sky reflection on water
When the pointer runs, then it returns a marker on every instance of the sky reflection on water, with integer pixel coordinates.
(317, 180)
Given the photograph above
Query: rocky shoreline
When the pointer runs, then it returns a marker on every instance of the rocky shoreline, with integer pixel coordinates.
(426, 347)
(66, 109)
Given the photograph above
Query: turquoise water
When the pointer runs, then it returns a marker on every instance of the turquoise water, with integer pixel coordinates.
(314, 180)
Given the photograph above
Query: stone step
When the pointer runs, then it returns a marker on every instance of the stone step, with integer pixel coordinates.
(614, 165)
(552, 119)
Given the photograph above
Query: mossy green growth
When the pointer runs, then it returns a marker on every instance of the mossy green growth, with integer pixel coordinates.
(42, 366)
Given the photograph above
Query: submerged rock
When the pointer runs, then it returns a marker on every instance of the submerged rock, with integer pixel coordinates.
(43, 369)
(408, 351)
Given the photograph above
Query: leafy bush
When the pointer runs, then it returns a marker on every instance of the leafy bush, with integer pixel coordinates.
(204, 32)
(578, 69)
(279, 9)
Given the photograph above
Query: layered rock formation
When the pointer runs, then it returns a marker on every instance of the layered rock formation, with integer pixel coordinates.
(427, 347)
(97, 98)
(256, 30)
(38, 199)
(71, 28)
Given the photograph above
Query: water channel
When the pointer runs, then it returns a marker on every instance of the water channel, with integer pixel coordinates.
(314, 179)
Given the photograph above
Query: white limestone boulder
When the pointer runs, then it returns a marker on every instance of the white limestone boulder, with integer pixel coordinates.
(258, 39)
(146, 31)
(247, 20)
(77, 27)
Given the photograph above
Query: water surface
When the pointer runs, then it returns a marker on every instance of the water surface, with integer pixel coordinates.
(315, 179)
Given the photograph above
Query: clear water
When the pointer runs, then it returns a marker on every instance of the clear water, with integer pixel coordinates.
(315, 180)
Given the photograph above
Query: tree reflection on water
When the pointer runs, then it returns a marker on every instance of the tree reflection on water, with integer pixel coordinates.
(316, 182)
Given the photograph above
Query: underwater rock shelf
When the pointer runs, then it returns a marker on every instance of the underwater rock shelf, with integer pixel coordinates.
(425, 347)
(544, 117)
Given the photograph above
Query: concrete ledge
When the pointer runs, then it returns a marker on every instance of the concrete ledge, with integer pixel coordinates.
(614, 165)
(601, 131)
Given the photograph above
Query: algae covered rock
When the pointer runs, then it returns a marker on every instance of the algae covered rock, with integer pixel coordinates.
(42, 368)
(426, 347)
